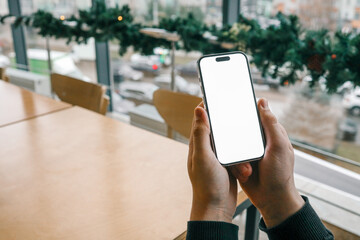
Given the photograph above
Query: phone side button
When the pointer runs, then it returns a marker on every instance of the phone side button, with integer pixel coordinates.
(202, 92)
(201, 88)
(200, 82)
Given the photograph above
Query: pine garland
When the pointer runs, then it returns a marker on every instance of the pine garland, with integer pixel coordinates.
(273, 50)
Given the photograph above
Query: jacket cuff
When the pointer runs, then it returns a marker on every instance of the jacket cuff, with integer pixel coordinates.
(211, 230)
(304, 223)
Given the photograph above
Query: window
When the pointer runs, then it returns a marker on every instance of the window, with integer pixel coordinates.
(311, 117)
(6, 41)
(73, 60)
(137, 77)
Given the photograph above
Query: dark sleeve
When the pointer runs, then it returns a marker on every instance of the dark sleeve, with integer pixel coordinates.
(211, 230)
(305, 224)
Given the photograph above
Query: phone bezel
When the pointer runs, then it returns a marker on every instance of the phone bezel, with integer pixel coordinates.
(207, 108)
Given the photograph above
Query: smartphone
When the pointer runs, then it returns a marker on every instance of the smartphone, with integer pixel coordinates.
(229, 99)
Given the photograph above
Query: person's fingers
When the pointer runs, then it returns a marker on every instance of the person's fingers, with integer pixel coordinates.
(191, 141)
(242, 171)
(201, 131)
(206, 119)
(265, 111)
(234, 171)
(190, 153)
(273, 132)
(283, 131)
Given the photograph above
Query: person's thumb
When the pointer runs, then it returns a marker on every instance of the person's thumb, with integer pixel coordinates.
(201, 130)
(269, 122)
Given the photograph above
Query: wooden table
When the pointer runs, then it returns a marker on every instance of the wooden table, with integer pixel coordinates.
(18, 104)
(75, 174)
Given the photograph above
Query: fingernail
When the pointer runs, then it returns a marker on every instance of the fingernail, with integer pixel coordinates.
(264, 104)
(198, 113)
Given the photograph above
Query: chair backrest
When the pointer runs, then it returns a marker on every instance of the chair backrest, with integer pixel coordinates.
(77, 92)
(104, 104)
(2, 75)
(177, 109)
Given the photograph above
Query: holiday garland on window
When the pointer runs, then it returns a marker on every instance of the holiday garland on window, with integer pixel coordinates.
(279, 51)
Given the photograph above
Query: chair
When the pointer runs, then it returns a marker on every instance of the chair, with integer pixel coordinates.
(77, 92)
(177, 109)
(104, 104)
(2, 75)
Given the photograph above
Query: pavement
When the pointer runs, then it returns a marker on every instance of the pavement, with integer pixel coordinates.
(327, 173)
(333, 206)
(333, 191)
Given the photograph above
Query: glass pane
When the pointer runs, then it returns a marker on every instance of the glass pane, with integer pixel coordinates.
(137, 77)
(6, 43)
(4, 9)
(67, 59)
(326, 123)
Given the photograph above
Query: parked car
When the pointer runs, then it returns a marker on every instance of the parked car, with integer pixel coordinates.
(181, 84)
(4, 61)
(273, 83)
(345, 88)
(123, 71)
(120, 104)
(188, 69)
(164, 55)
(348, 130)
(307, 80)
(141, 91)
(342, 89)
(351, 102)
(150, 64)
(257, 78)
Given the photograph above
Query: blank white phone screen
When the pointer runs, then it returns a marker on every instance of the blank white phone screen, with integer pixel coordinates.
(232, 108)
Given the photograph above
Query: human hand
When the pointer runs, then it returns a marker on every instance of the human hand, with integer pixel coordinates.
(270, 185)
(214, 188)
